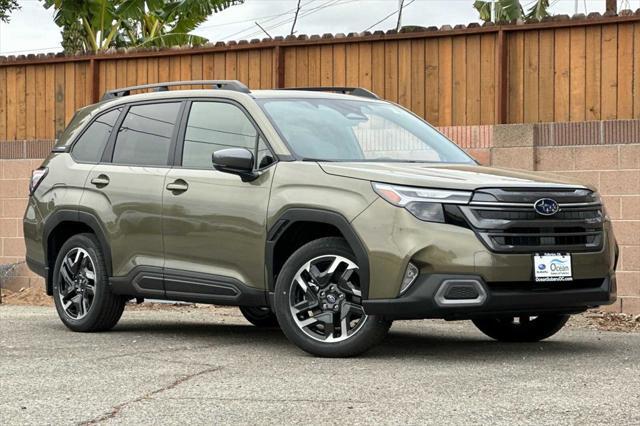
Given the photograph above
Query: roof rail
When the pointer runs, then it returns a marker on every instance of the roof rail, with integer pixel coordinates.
(163, 87)
(355, 91)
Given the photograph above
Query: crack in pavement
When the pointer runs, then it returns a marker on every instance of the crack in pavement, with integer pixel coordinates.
(116, 409)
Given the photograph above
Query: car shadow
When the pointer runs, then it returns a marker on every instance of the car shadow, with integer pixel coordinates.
(426, 342)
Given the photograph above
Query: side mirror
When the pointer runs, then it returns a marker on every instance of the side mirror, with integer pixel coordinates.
(237, 161)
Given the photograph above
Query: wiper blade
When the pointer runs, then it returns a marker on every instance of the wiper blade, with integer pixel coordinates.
(315, 159)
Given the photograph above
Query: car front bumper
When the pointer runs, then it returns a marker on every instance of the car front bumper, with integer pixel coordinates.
(424, 298)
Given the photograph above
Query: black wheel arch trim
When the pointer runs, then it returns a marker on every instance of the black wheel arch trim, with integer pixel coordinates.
(77, 216)
(293, 215)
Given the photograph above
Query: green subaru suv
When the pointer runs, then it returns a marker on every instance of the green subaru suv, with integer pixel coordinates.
(326, 211)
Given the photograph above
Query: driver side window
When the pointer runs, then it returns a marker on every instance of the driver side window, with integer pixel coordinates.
(213, 126)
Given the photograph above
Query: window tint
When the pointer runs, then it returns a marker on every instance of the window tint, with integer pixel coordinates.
(145, 135)
(213, 126)
(90, 145)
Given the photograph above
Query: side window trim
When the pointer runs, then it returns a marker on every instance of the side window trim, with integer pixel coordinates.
(107, 157)
(177, 159)
(93, 120)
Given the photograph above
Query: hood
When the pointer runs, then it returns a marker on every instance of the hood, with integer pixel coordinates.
(446, 176)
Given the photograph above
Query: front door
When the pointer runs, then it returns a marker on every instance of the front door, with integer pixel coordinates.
(214, 224)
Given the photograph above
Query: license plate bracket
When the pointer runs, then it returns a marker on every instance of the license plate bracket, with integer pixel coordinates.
(552, 267)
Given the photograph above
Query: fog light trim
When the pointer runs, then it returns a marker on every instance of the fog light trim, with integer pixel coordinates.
(409, 277)
(447, 284)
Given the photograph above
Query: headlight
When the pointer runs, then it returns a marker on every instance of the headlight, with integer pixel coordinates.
(423, 203)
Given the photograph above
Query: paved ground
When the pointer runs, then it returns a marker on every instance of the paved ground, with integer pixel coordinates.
(198, 366)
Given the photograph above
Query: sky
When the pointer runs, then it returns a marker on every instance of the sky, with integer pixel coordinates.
(32, 29)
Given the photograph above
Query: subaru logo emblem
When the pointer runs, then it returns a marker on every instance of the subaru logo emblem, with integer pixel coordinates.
(546, 207)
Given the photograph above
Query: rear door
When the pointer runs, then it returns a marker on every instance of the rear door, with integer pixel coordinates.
(126, 190)
(214, 224)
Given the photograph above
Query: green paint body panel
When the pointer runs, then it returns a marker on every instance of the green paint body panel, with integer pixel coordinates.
(220, 225)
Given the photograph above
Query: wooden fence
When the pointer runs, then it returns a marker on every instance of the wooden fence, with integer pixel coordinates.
(560, 70)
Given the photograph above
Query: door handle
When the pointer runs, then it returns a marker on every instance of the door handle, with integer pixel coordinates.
(178, 186)
(100, 181)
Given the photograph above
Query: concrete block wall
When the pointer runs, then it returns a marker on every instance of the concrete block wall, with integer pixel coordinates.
(605, 154)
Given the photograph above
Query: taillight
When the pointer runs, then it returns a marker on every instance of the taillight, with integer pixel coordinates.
(36, 178)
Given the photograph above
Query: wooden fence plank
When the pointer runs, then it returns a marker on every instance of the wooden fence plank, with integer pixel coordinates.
(254, 69)
(81, 85)
(487, 78)
(243, 67)
(391, 71)
(313, 58)
(30, 115)
(417, 77)
(404, 73)
(459, 75)
(352, 61)
(219, 66)
(60, 94)
(339, 65)
(290, 64)
(231, 62)
(609, 82)
(207, 66)
(531, 74)
(364, 66)
(577, 81)
(50, 101)
(302, 67)
(445, 82)
(3, 103)
(164, 69)
(266, 67)
(326, 65)
(625, 72)
(562, 74)
(12, 107)
(431, 87)
(152, 70)
(636, 71)
(41, 103)
(474, 76)
(516, 77)
(593, 58)
(21, 119)
(377, 68)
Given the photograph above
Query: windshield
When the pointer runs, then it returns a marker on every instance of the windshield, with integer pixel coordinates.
(358, 130)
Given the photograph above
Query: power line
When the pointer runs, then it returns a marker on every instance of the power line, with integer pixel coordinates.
(388, 16)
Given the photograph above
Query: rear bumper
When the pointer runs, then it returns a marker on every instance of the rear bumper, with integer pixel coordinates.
(516, 298)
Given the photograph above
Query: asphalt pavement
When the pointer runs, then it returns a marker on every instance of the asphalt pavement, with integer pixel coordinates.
(206, 366)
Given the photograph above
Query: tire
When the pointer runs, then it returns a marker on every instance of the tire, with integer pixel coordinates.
(315, 306)
(527, 329)
(102, 309)
(259, 316)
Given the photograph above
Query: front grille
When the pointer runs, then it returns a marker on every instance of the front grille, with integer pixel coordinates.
(506, 225)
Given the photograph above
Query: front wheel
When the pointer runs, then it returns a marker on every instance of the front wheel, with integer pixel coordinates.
(521, 329)
(319, 301)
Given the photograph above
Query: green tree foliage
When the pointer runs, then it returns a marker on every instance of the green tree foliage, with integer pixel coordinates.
(6, 7)
(512, 10)
(103, 24)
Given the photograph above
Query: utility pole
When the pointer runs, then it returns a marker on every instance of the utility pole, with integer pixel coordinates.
(400, 6)
(295, 18)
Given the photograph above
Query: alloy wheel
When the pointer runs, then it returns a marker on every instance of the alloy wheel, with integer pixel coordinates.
(325, 299)
(77, 284)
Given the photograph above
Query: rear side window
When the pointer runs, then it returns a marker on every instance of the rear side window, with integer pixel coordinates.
(213, 126)
(144, 138)
(89, 147)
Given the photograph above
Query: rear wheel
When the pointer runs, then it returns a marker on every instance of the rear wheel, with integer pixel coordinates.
(80, 287)
(521, 329)
(259, 316)
(319, 301)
